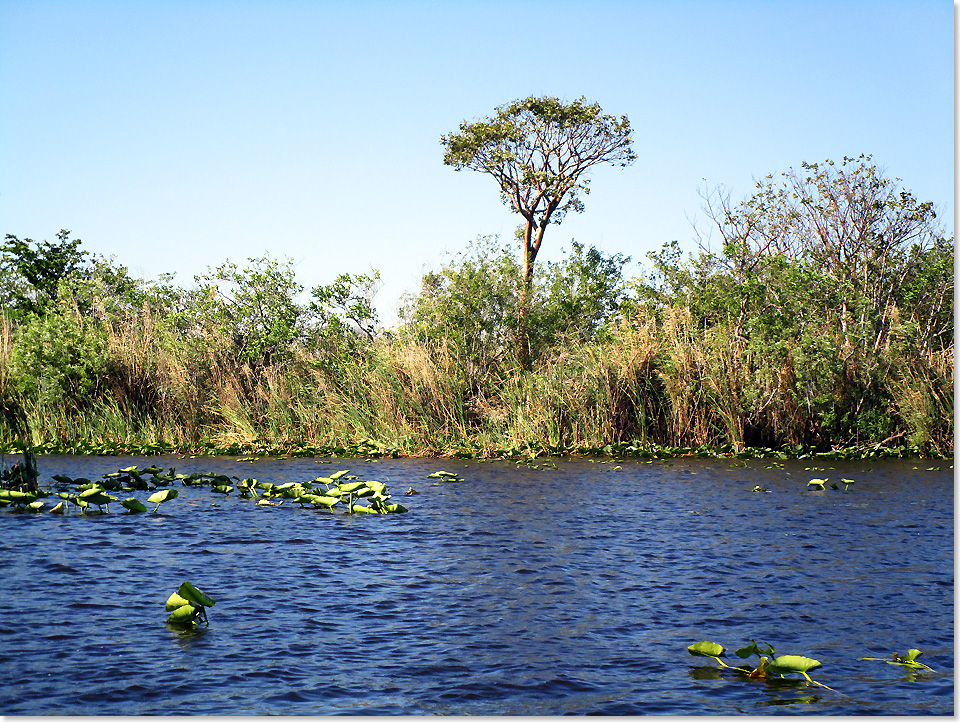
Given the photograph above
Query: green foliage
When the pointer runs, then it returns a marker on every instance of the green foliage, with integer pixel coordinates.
(776, 335)
(538, 149)
(57, 358)
(343, 312)
(188, 606)
(471, 306)
(254, 309)
(31, 272)
(908, 659)
(577, 296)
(821, 283)
(769, 665)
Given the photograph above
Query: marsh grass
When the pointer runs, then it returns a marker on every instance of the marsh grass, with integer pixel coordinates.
(651, 381)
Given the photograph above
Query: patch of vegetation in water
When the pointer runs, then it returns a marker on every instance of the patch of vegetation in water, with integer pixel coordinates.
(340, 489)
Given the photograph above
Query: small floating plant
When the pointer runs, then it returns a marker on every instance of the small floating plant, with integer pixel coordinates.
(445, 476)
(770, 666)
(818, 484)
(907, 659)
(188, 606)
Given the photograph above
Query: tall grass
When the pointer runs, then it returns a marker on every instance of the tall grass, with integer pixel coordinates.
(650, 380)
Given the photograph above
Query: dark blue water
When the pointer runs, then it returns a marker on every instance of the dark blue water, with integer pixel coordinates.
(517, 591)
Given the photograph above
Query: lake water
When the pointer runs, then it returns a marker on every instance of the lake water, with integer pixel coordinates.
(517, 591)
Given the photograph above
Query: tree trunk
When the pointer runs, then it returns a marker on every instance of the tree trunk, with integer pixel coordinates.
(523, 310)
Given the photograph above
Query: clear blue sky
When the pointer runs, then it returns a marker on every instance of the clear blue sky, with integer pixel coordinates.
(175, 135)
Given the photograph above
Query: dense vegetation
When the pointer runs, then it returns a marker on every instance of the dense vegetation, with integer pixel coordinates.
(818, 314)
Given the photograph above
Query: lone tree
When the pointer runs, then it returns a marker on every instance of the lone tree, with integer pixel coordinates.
(539, 151)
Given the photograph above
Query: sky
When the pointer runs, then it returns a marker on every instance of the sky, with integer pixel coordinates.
(176, 135)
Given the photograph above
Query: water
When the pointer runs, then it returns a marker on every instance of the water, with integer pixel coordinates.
(518, 591)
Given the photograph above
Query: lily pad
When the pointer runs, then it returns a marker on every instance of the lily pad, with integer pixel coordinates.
(787, 663)
(162, 496)
(361, 509)
(352, 486)
(175, 601)
(191, 593)
(706, 649)
(134, 506)
(186, 614)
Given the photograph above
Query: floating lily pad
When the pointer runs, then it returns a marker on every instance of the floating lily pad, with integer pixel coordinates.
(706, 649)
(787, 663)
(186, 614)
(162, 496)
(134, 506)
(351, 486)
(175, 601)
(192, 594)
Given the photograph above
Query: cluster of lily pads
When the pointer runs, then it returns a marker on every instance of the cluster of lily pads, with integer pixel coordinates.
(323, 492)
(188, 606)
(772, 666)
(340, 488)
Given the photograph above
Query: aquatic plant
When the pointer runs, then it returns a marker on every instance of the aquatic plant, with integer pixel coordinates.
(445, 476)
(350, 492)
(18, 498)
(770, 666)
(133, 506)
(188, 606)
(907, 659)
(162, 496)
(97, 495)
(818, 484)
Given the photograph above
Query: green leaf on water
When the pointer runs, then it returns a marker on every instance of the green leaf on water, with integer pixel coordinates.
(787, 663)
(706, 649)
(192, 594)
(135, 506)
(183, 615)
(745, 652)
(351, 486)
(162, 496)
(175, 601)
(910, 655)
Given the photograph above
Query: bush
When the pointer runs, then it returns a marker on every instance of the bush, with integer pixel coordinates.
(57, 359)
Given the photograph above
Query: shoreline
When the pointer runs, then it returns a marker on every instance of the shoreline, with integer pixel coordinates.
(369, 449)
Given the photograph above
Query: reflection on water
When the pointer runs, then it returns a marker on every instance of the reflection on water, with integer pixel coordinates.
(516, 591)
